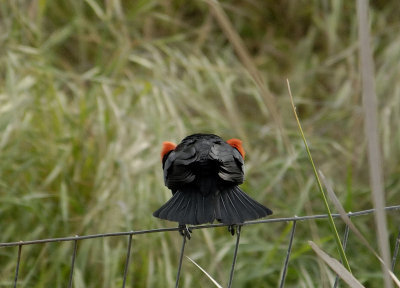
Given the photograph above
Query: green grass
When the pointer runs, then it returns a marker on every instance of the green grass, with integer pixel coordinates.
(89, 90)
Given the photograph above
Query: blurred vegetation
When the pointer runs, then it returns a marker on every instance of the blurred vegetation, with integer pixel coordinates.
(90, 89)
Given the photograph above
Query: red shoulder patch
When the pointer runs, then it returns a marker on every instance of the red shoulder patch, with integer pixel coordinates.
(167, 147)
(236, 143)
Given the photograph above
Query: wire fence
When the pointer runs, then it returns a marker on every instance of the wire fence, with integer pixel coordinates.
(294, 220)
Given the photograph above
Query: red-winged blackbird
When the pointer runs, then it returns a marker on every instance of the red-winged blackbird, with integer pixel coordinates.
(204, 172)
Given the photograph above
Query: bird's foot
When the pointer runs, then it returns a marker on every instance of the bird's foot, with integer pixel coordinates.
(235, 229)
(232, 229)
(185, 231)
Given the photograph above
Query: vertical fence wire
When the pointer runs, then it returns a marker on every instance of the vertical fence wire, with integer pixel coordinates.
(178, 274)
(17, 268)
(396, 251)
(128, 255)
(239, 228)
(344, 243)
(71, 273)
(285, 266)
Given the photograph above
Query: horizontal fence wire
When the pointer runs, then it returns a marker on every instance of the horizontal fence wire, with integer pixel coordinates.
(294, 220)
(138, 232)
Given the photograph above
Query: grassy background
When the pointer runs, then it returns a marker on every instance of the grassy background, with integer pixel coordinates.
(90, 89)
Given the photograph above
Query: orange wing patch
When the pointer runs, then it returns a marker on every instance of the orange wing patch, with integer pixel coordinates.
(236, 143)
(167, 147)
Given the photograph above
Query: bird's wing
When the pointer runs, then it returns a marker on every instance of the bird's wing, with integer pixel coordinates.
(176, 166)
(230, 162)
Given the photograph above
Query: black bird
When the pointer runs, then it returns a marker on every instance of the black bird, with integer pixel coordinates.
(203, 173)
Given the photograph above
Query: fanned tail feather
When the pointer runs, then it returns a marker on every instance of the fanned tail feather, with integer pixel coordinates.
(229, 206)
(234, 207)
(188, 206)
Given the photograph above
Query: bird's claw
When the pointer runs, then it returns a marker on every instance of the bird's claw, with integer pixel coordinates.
(185, 231)
(232, 229)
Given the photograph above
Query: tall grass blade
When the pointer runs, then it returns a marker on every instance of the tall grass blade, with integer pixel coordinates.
(336, 266)
(371, 133)
(330, 219)
(248, 63)
(205, 272)
(346, 219)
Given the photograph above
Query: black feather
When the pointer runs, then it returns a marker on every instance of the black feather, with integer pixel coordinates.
(188, 207)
